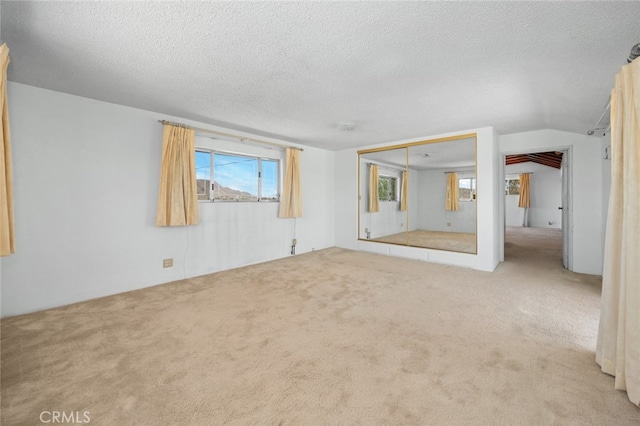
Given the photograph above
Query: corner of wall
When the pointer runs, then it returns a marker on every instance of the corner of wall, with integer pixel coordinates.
(488, 208)
(346, 199)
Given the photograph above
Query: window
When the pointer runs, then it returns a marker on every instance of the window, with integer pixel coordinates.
(466, 189)
(203, 175)
(387, 188)
(231, 177)
(512, 186)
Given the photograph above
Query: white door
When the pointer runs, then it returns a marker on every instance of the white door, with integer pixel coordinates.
(566, 216)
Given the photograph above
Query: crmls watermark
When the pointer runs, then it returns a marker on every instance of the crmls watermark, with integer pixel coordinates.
(73, 417)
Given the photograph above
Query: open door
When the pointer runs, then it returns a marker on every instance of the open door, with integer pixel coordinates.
(558, 159)
(566, 216)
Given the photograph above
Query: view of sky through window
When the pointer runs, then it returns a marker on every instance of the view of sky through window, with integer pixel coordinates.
(270, 179)
(203, 165)
(237, 173)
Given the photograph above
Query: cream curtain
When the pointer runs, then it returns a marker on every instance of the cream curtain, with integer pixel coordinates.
(451, 203)
(374, 176)
(178, 199)
(525, 189)
(618, 346)
(291, 200)
(7, 233)
(403, 194)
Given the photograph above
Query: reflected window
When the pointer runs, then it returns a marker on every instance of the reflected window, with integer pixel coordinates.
(466, 189)
(512, 186)
(387, 188)
(413, 179)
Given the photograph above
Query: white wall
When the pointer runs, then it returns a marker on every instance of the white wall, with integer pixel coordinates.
(413, 208)
(545, 195)
(432, 188)
(488, 172)
(86, 175)
(586, 171)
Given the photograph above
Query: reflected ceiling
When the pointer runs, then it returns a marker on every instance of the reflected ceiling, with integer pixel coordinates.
(437, 155)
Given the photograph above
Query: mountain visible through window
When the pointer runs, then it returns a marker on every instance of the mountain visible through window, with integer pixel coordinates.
(230, 177)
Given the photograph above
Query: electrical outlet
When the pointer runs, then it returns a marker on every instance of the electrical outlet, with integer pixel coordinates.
(448, 223)
(294, 242)
(167, 263)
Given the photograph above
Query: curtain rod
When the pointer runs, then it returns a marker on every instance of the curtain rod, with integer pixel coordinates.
(595, 127)
(634, 54)
(467, 170)
(388, 166)
(241, 138)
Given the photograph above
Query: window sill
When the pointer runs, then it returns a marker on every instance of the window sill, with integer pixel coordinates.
(237, 201)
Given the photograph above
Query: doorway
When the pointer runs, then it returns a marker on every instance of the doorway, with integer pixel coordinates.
(547, 221)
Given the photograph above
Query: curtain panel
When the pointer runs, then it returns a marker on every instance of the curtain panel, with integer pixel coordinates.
(7, 232)
(291, 201)
(374, 176)
(451, 203)
(405, 188)
(178, 199)
(618, 345)
(524, 200)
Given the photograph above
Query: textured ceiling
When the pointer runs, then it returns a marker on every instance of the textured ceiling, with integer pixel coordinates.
(299, 70)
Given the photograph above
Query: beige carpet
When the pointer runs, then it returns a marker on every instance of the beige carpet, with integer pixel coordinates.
(451, 241)
(330, 337)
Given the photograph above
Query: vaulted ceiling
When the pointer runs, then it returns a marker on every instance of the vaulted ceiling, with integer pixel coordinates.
(306, 71)
(551, 159)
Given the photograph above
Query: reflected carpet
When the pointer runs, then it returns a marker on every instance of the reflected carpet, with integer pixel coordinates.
(439, 240)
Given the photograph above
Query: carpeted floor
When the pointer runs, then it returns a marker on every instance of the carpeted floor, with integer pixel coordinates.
(329, 337)
(451, 241)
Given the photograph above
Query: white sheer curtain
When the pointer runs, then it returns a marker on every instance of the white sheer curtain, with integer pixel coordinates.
(618, 347)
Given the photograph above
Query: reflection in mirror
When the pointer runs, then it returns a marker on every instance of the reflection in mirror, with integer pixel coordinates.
(445, 202)
(383, 211)
(439, 182)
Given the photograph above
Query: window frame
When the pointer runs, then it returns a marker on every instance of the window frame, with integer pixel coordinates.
(507, 186)
(209, 188)
(472, 188)
(259, 158)
(393, 182)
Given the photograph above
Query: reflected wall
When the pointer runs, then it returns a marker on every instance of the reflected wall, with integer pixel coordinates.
(413, 181)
